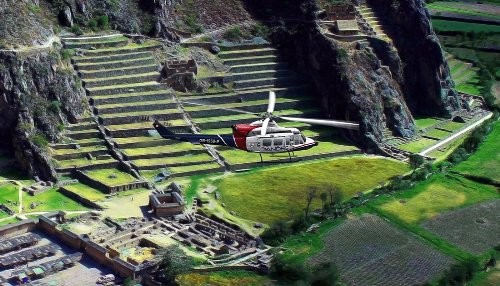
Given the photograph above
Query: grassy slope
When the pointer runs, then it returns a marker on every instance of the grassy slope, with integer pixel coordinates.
(428, 199)
(486, 161)
(268, 195)
(417, 145)
(457, 26)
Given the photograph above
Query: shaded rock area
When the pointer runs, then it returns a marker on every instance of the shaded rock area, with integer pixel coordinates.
(38, 94)
(428, 86)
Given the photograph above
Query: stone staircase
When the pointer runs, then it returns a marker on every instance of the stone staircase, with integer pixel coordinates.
(254, 71)
(368, 16)
(120, 78)
(391, 139)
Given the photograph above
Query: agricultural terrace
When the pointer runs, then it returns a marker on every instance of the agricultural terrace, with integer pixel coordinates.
(429, 198)
(271, 194)
(486, 11)
(369, 251)
(457, 26)
(474, 228)
(485, 162)
(222, 278)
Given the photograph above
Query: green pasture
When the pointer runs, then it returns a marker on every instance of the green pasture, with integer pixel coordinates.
(417, 145)
(51, 200)
(86, 192)
(429, 198)
(426, 122)
(436, 133)
(111, 177)
(280, 193)
(485, 162)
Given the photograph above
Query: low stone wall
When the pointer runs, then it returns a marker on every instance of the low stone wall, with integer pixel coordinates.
(18, 228)
(105, 188)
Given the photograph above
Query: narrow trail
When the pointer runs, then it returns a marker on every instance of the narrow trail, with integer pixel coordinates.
(53, 39)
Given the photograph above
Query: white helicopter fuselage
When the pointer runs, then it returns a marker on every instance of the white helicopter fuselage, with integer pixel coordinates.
(277, 140)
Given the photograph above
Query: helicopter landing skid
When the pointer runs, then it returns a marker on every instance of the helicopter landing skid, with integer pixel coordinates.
(291, 158)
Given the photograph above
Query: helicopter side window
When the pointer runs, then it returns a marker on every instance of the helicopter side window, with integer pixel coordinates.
(298, 140)
(267, 142)
(287, 141)
(278, 142)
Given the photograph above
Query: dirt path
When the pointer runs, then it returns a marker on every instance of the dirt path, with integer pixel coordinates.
(47, 44)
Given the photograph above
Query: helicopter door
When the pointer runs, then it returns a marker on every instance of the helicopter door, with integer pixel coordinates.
(278, 143)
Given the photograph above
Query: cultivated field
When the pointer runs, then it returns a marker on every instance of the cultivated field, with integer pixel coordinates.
(268, 195)
(429, 198)
(369, 251)
(485, 162)
(223, 278)
(474, 228)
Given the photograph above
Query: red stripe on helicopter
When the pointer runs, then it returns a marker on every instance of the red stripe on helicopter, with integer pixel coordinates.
(240, 132)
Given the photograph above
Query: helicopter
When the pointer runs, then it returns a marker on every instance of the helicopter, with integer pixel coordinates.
(261, 136)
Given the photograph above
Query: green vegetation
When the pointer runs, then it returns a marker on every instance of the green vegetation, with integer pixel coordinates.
(486, 161)
(51, 200)
(222, 278)
(8, 221)
(86, 192)
(233, 34)
(457, 26)
(431, 197)
(438, 134)
(111, 177)
(463, 9)
(8, 192)
(426, 122)
(277, 193)
(417, 145)
(452, 126)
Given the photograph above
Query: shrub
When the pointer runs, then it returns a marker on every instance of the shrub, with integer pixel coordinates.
(103, 22)
(276, 233)
(233, 34)
(40, 140)
(54, 106)
(92, 24)
(76, 30)
(192, 23)
(66, 54)
(260, 30)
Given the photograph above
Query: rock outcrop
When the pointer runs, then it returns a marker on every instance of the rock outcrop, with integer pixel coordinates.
(428, 86)
(38, 94)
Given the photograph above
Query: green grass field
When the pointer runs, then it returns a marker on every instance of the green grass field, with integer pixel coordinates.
(51, 200)
(436, 195)
(485, 162)
(423, 123)
(8, 192)
(86, 192)
(111, 177)
(223, 278)
(417, 145)
(270, 194)
(452, 126)
(438, 134)
(463, 8)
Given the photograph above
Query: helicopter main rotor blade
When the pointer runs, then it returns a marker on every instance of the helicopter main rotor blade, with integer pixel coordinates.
(223, 108)
(272, 102)
(332, 123)
(264, 126)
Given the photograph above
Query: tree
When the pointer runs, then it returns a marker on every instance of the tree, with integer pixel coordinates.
(416, 161)
(276, 233)
(173, 262)
(325, 274)
(310, 197)
(324, 197)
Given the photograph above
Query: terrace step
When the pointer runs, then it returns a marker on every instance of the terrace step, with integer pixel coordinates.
(90, 165)
(139, 129)
(125, 88)
(127, 55)
(129, 98)
(247, 53)
(251, 60)
(136, 106)
(81, 143)
(92, 38)
(141, 116)
(255, 83)
(166, 162)
(157, 152)
(244, 47)
(112, 81)
(260, 107)
(142, 142)
(116, 64)
(258, 75)
(84, 74)
(81, 126)
(83, 134)
(149, 46)
(118, 42)
(82, 153)
(258, 67)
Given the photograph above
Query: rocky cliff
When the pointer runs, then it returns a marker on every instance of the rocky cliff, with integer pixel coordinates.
(380, 87)
(38, 94)
(428, 87)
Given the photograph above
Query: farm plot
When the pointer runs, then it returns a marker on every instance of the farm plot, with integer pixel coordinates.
(369, 251)
(473, 228)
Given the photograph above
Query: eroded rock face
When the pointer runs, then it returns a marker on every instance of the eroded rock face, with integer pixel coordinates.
(38, 94)
(428, 87)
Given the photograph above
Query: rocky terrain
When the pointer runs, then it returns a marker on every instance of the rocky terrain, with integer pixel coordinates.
(382, 87)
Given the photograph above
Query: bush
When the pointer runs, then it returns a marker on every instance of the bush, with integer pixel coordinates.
(233, 34)
(460, 273)
(103, 22)
(277, 233)
(40, 140)
(54, 106)
(191, 22)
(260, 30)
(92, 24)
(76, 30)
(66, 54)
